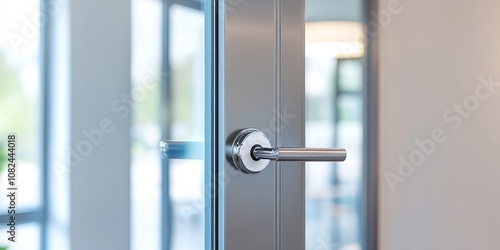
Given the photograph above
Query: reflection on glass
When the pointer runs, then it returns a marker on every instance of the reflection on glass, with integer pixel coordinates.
(334, 45)
(20, 97)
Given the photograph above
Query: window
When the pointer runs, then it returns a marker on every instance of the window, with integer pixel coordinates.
(22, 113)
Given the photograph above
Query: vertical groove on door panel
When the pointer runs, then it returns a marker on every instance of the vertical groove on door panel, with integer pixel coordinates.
(278, 123)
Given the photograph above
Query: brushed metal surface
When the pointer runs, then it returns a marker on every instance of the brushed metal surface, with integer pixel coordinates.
(247, 80)
(261, 85)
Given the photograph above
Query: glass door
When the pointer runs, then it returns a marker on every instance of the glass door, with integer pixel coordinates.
(234, 131)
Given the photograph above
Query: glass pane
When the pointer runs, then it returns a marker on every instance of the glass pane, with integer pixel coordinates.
(20, 97)
(187, 124)
(146, 130)
(334, 46)
(27, 237)
(168, 200)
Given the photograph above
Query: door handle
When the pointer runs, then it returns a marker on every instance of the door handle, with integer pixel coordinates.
(181, 150)
(299, 154)
(250, 151)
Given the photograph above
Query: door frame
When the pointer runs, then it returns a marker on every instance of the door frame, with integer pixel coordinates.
(370, 126)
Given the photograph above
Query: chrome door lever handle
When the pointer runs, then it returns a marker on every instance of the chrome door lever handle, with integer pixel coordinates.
(299, 154)
(250, 151)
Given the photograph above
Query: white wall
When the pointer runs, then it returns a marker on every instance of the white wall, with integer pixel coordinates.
(431, 56)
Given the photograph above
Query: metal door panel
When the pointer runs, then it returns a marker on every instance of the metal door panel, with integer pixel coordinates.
(247, 82)
(261, 60)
